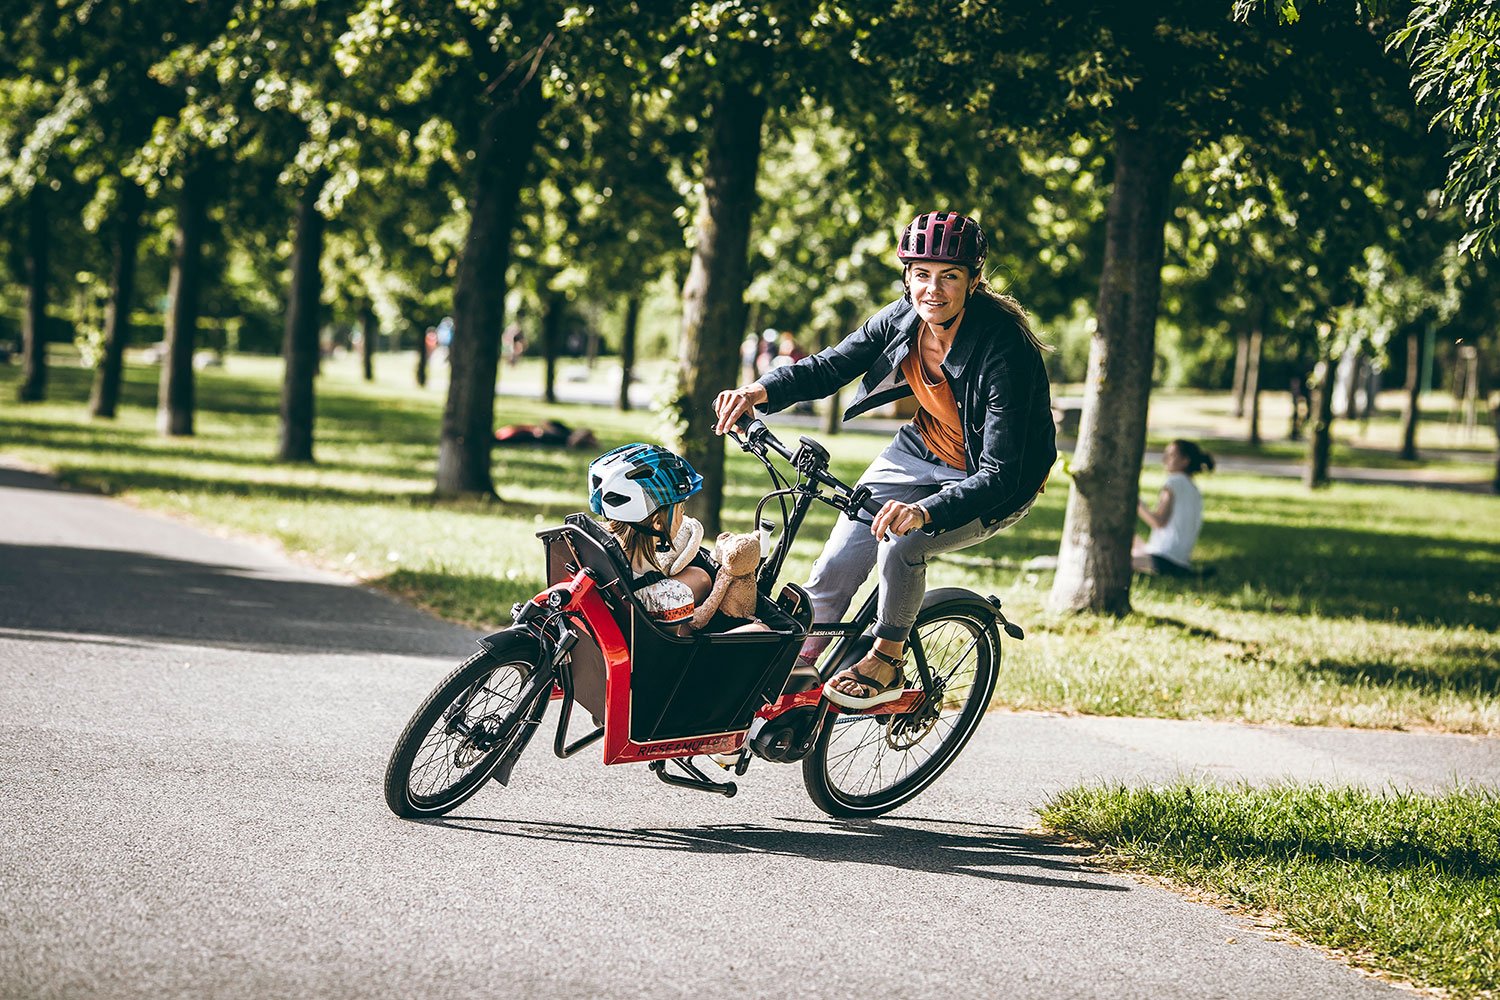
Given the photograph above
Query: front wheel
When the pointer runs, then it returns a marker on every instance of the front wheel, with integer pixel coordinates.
(458, 736)
(866, 765)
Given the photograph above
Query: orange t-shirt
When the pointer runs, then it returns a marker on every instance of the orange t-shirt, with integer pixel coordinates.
(937, 419)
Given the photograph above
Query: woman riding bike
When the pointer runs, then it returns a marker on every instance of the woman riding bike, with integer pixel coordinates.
(971, 462)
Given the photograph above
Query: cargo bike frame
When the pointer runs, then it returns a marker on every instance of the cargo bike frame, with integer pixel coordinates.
(663, 699)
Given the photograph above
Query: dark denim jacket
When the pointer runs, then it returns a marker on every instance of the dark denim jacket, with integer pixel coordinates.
(998, 382)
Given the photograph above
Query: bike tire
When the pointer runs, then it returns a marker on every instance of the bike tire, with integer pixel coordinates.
(443, 757)
(845, 770)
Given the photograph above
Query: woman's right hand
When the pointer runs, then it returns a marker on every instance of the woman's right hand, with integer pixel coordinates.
(731, 404)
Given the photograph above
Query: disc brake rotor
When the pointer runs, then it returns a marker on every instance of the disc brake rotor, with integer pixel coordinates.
(480, 740)
(903, 732)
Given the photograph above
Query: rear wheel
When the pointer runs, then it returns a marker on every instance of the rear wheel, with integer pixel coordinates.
(865, 765)
(459, 734)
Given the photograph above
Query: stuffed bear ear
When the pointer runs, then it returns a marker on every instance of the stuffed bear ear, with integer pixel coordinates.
(690, 537)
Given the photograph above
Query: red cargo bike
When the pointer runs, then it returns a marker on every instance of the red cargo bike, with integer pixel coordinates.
(663, 699)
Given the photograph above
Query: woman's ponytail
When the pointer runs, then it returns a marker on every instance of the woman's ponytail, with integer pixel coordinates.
(1197, 458)
(1012, 308)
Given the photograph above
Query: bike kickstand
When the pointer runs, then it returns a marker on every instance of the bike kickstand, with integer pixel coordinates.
(696, 779)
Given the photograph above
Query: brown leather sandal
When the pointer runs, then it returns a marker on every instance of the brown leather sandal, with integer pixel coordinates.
(880, 693)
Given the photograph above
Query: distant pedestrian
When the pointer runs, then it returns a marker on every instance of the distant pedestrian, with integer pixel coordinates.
(765, 356)
(514, 342)
(787, 350)
(749, 350)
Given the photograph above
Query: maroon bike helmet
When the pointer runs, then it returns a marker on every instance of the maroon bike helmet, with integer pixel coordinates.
(943, 236)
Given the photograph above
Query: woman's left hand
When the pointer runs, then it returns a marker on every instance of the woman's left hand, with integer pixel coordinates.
(898, 518)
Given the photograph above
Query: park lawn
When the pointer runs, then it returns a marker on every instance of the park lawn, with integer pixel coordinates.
(1396, 882)
(1370, 606)
(1445, 442)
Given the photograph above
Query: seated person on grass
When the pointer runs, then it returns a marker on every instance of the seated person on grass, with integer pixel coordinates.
(1177, 517)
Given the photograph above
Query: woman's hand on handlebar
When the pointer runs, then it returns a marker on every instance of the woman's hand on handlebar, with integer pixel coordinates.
(731, 404)
(898, 518)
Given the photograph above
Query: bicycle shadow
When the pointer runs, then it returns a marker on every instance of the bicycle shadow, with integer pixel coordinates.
(986, 852)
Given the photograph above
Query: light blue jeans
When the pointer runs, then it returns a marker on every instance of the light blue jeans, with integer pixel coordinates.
(908, 472)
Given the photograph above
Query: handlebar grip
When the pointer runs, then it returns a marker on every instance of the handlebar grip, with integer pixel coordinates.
(859, 499)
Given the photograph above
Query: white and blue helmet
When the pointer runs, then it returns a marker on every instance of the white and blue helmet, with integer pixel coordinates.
(636, 480)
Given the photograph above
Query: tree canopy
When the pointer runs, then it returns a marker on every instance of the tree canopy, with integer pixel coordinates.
(286, 171)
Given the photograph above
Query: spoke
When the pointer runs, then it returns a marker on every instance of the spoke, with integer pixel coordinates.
(850, 756)
(871, 737)
(861, 762)
(438, 753)
(492, 698)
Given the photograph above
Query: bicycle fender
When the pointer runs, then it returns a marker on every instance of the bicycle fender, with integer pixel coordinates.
(942, 595)
(488, 642)
(986, 609)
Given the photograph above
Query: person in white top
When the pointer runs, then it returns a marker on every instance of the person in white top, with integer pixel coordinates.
(1177, 517)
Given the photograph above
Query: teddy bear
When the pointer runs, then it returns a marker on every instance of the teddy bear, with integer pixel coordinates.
(734, 590)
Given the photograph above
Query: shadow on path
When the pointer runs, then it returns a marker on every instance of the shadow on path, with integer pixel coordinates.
(976, 850)
(135, 595)
(20, 479)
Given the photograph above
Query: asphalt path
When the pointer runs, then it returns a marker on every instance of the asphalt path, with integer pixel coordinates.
(194, 731)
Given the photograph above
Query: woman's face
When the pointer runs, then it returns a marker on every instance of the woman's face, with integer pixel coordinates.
(938, 290)
(1173, 460)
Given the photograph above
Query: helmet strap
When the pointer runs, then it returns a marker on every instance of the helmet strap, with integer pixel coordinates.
(663, 538)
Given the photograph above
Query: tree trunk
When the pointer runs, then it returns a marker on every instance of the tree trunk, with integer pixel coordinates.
(300, 346)
(1297, 389)
(104, 398)
(369, 333)
(1094, 560)
(175, 391)
(833, 420)
(1252, 378)
(1322, 421)
(421, 360)
(1241, 371)
(553, 310)
(1495, 418)
(713, 298)
(1412, 412)
(33, 385)
(506, 140)
(627, 348)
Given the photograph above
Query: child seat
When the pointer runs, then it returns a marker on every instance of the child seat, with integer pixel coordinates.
(680, 686)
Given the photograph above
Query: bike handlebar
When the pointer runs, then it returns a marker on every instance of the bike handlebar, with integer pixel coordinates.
(811, 459)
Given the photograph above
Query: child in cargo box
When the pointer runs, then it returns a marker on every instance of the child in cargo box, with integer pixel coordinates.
(638, 489)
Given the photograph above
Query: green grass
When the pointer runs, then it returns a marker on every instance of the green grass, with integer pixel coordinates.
(1399, 883)
(1372, 606)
